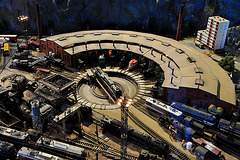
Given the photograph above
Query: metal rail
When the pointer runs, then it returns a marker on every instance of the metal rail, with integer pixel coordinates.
(96, 145)
(31, 144)
(152, 133)
(103, 145)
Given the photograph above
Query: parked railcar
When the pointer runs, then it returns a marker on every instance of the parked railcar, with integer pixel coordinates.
(148, 142)
(206, 150)
(133, 64)
(134, 136)
(30, 154)
(6, 49)
(197, 115)
(61, 147)
(162, 108)
(224, 124)
(108, 83)
(13, 134)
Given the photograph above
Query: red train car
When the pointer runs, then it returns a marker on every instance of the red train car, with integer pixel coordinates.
(12, 38)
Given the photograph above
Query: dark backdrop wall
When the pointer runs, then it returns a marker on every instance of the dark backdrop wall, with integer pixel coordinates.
(154, 16)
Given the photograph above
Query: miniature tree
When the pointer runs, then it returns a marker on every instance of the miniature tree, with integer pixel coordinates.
(227, 63)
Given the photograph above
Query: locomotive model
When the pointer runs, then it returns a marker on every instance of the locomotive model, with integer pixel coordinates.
(133, 64)
(197, 115)
(61, 147)
(31, 154)
(108, 84)
(162, 108)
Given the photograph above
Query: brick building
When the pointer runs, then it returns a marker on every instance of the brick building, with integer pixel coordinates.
(190, 77)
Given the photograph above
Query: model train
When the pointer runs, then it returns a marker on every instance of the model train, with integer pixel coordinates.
(196, 118)
(30, 154)
(147, 142)
(61, 147)
(46, 143)
(12, 38)
(107, 83)
(133, 64)
(162, 108)
(13, 134)
(223, 125)
(198, 115)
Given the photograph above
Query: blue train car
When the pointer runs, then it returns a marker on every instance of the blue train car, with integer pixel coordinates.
(197, 115)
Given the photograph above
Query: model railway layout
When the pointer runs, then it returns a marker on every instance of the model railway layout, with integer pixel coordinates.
(48, 117)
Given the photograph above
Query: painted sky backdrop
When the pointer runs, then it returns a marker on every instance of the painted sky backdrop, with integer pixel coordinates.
(155, 16)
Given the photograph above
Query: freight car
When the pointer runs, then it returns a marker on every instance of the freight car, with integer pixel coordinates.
(202, 117)
(206, 150)
(108, 84)
(61, 147)
(30, 154)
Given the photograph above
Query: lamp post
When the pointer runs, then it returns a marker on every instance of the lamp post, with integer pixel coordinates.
(23, 19)
(124, 103)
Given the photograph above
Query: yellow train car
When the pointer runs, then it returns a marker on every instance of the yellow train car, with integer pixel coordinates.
(6, 49)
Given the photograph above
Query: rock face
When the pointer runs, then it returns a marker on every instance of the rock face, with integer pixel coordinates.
(156, 16)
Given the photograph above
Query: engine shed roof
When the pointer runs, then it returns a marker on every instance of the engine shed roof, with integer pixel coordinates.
(178, 61)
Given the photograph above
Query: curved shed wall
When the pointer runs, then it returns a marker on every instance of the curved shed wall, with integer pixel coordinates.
(180, 74)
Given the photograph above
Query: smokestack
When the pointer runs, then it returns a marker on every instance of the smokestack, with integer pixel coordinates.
(38, 22)
(179, 22)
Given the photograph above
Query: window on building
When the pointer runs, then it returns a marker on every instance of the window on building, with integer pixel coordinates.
(66, 58)
(58, 55)
(183, 100)
(201, 104)
(50, 50)
(168, 95)
(188, 101)
(44, 47)
(173, 96)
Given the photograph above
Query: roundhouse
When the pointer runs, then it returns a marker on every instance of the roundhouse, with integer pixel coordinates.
(190, 76)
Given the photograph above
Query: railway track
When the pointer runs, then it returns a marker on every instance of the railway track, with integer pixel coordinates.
(155, 135)
(95, 145)
(106, 148)
(31, 144)
(140, 106)
(71, 75)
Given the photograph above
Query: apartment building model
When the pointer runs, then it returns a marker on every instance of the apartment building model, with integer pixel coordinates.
(215, 35)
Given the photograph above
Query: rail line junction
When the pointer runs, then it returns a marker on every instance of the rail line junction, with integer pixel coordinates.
(138, 99)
